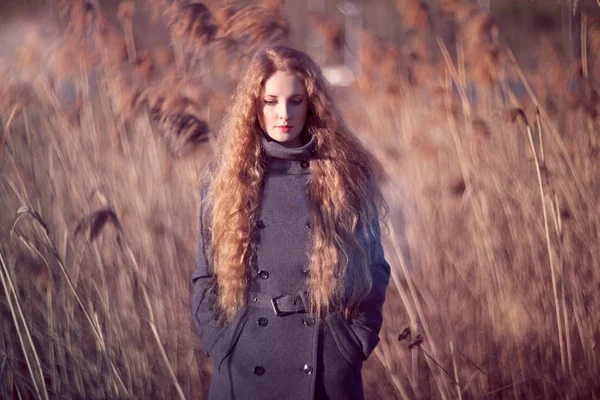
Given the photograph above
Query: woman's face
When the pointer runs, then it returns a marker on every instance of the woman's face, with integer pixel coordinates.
(282, 113)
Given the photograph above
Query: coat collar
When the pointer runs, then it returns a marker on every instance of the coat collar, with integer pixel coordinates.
(276, 150)
(288, 161)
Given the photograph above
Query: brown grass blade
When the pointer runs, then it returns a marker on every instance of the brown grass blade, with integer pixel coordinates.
(14, 304)
(26, 211)
(96, 222)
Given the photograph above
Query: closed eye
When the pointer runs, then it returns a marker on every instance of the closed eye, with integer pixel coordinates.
(271, 102)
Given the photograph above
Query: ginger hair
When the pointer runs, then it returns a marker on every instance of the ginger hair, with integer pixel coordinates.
(343, 192)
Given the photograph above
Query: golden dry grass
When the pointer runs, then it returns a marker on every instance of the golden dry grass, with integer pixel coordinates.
(493, 225)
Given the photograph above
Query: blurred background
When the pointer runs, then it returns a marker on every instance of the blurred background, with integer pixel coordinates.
(483, 113)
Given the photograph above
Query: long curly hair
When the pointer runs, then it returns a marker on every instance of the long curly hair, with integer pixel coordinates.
(343, 192)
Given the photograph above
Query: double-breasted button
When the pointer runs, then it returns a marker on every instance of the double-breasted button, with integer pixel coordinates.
(309, 321)
(307, 225)
(263, 274)
(258, 370)
(307, 369)
(306, 272)
(260, 224)
(304, 164)
(263, 322)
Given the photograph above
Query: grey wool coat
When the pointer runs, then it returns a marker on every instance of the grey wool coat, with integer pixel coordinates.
(274, 349)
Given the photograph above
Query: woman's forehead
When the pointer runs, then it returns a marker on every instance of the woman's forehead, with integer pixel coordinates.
(283, 83)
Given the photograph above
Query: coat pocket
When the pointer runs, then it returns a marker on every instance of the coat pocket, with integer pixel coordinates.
(225, 339)
(345, 339)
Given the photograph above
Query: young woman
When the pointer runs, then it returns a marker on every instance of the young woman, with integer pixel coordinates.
(290, 276)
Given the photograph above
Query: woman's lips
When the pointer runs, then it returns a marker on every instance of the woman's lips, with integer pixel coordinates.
(284, 128)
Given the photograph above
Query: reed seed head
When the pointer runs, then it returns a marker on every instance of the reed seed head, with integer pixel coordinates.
(515, 115)
(126, 12)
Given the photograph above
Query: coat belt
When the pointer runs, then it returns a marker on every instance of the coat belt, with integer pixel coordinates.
(281, 305)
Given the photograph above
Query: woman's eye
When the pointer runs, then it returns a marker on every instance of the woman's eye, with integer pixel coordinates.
(296, 102)
(270, 102)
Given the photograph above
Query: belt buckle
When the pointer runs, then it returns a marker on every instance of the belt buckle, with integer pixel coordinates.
(274, 305)
(299, 304)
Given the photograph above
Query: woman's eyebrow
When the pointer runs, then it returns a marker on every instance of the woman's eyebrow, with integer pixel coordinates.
(293, 95)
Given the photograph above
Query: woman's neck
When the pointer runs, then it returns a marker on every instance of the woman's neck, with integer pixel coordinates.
(292, 144)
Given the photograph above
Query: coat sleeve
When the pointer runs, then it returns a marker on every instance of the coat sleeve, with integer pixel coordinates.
(204, 312)
(369, 318)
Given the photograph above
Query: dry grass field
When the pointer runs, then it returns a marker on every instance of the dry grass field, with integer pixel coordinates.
(493, 222)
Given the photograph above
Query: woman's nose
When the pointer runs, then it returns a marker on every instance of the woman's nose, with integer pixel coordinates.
(284, 112)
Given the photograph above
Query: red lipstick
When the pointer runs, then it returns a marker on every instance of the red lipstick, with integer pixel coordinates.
(285, 128)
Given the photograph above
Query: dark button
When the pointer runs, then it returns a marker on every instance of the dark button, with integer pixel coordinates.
(258, 370)
(307, 369)
(255, 299)
(304, 164)
(306, 272)
(260, 224)
(307, 225)
(309, 321)
(263, 274)
(263, 322)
